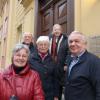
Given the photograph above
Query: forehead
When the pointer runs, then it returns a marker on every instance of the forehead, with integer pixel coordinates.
(21, 51)
(27, 34)
(43, 42)
(57, 27)
(75, 36)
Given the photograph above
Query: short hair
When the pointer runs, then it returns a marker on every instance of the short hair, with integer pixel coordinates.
(42, 38)
(80, 33)
(57, 25)
(23, 34)
(20, 46)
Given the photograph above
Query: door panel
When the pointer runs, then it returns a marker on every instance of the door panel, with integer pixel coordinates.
(52, 12)
(46, 22)
(60, 14)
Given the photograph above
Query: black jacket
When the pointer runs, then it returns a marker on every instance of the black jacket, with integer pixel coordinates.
(46, 70)
(83, 83)
(61, 56)
(32, 47)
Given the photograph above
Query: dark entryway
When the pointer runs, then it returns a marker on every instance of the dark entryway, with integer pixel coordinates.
(50, 12)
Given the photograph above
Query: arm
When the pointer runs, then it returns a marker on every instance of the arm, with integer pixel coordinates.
(38, 91)
(95, 77)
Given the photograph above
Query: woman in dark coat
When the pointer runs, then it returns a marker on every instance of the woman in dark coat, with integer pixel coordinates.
(19, 82)
(42, 62)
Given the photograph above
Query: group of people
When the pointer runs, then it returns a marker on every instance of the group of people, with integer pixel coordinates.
(39, 70)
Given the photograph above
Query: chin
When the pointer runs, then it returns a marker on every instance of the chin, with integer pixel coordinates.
(21, 65)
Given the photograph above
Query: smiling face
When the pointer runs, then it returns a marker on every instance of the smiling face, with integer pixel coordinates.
(57, 30)
(43, 46)
(20, 58)
(77, 43)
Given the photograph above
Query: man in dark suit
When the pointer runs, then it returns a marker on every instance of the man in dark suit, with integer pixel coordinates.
(58, 50)
(83, 73)
(29, 41)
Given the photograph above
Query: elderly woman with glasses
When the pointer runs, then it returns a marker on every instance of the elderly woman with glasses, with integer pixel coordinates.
(19, 82)
(43, 63)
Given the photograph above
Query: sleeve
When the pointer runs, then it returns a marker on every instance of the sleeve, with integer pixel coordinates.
(38, 91)
(95, 77)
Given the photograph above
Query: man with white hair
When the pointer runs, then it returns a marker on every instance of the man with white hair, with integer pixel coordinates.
(29, 41)
(42, 62)
(83, 72)
(59, 50)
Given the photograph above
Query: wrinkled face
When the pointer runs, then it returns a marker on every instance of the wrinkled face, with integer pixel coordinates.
(27, 38)
(76, 43)
(57, 30)
(43, 46)
(20, 58)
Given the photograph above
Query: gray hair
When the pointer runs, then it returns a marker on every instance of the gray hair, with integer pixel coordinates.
(23, 34)
(82, 36)
(43, 38)
(20, 46)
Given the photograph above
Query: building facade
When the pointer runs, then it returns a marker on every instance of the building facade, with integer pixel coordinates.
(38, 17)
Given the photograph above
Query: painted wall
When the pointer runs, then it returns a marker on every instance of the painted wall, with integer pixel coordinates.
(20, 19)
(87, 20)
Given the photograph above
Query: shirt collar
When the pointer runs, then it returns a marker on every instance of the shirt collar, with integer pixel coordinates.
(79, 55)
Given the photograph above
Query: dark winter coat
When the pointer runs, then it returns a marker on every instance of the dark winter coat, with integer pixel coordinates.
(46, 70)
(32, 47)
(61, 56)
(23, 86)
(83, 83)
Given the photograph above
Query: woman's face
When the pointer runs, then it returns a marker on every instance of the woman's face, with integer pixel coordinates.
(43, 46)
(20, 58)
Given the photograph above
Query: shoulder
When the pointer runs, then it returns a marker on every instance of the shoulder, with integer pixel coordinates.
(92, 60)
(93, 57)
(6, 71)
(50, 35)
(65, 36)
(34, 73)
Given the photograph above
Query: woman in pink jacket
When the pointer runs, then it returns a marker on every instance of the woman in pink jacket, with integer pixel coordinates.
(19, 82)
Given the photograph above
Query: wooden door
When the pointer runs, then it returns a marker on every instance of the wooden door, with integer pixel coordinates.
(52, 12)
(60, 14)
(46, 21)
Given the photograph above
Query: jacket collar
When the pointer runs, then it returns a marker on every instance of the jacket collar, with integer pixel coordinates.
(10, 71)
(82, 58)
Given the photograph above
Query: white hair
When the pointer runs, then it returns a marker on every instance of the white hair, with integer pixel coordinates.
(20, 46)
(42, 38)
(81, 34)
(27, 33)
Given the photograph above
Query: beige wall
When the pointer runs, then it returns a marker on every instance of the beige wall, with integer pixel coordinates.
(24, 20)
(87, 20)
(87, 16)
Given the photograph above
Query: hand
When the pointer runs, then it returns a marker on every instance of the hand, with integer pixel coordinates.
(65, 68)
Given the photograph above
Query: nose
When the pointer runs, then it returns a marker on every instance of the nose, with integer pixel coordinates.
(21, 57)
(73, 43)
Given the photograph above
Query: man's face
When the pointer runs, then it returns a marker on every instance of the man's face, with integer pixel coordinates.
(43, 46)
(76, 44)
(20, 58)
(57, 30)
(27, 39)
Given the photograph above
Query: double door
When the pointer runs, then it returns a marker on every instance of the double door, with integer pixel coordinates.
(53, 12)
